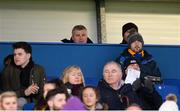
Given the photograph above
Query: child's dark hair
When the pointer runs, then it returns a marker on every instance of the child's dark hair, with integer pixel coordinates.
(94, 89)
(53, 92)
(57, 82)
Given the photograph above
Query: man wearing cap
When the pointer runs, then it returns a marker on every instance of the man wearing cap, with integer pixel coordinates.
(135, 50)
(149, 71)
(127, 29)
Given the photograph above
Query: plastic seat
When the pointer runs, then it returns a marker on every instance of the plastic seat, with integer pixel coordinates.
(29, 106)
(164, 90)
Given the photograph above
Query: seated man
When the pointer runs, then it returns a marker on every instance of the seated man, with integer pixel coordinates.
(56, 99)
(79, 35)
(113, 91)
(144, 88)
(149, 67)
(24, 77)
(8, 101)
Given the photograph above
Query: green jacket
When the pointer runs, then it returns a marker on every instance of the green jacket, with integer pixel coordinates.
(11, 81)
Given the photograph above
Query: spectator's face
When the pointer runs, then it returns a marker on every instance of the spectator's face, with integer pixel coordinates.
(112, 74)
(134, 66)
(79, 36)
(126, 34)
(75, 76)
(57, 102)
(136, 46)
(21, 58)
(47, 88)
(89, 97)
(134, 108)
(9, 103)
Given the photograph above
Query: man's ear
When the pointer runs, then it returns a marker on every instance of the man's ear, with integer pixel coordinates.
(50, 103)
(72, 38)
(29, 55)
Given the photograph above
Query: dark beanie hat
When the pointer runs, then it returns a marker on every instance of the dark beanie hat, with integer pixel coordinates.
(129, 61)
(135, 37)
(128, 26)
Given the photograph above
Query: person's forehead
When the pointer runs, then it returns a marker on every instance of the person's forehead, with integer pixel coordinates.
(19, 50)
(112, 65)
(80, 31)
(133, 64)
(88, 90)
(136, 41)
(74, 71)
(59, 95)
(9, 98)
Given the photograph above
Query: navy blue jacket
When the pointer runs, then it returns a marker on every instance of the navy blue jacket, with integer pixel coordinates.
(148, 65)
(116, 98)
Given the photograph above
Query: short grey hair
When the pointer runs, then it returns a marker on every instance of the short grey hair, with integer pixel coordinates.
(114, 62)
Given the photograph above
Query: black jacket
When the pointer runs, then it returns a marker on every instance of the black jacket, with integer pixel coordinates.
(11, 81)
(116, 99)
(71, 41)
(148, 66)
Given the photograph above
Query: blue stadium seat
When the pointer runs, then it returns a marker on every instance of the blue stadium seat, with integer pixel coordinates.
(91, 81)
(29, 106)
(164, 90)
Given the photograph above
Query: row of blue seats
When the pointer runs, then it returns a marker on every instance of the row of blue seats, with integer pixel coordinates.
(54, 57)
(161, 88)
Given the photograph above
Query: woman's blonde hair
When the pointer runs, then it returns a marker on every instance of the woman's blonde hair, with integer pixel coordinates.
(67, 70)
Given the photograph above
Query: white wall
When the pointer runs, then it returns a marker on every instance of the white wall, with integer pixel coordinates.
(159, 23)
(52, 20)
(45, 20)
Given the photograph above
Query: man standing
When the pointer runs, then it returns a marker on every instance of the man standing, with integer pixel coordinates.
(147, 67)
(135, 50)
(24, 77)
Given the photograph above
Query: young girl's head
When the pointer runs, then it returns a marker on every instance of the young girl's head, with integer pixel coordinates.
(8, 101)
(73, 75)
(90, 96)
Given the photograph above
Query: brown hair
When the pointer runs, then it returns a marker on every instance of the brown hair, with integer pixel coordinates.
(94, 89)
(78, 27)
(171, 97)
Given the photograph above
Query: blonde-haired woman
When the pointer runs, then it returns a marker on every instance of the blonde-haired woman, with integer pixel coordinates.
(74, 80)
